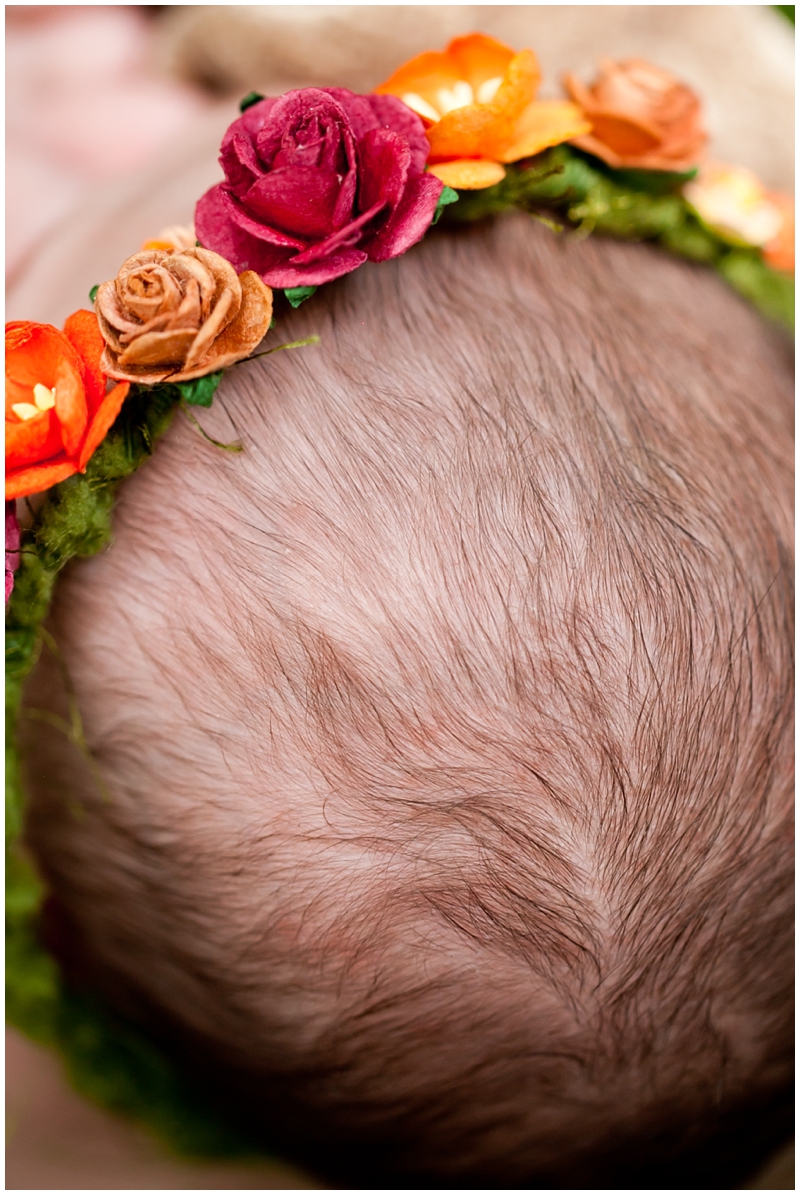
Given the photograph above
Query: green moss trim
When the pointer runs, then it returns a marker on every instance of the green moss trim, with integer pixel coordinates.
(590, 197)
(106, 1059)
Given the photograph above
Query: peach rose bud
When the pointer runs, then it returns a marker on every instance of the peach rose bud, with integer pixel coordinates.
(177, 316)
(642, 117)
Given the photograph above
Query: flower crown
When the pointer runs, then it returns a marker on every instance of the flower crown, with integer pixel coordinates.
(317, 182)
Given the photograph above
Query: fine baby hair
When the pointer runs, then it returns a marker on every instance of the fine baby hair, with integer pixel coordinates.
(426, 794)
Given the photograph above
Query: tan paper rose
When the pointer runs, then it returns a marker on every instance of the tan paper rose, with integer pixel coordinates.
(177, 316)
(641, 116)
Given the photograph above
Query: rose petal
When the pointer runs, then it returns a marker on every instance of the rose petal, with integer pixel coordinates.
(299, 109)
(410, 221)
(468, 174)
(144, 375)
(158, 348)
(642, 117)
(624, 135)
(299, 199)
(263, 232)
(209, 330)
(37, 478)
(241, 165)
(110, 316)
(242, 335)
(343, 237)
(385, 158)
(196, 282)
(368, 112)
(392, 113)
(335, 266)
(223, 273)
(146, 291)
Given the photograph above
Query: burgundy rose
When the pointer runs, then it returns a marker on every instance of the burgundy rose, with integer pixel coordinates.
(317, 182)
(12, 546)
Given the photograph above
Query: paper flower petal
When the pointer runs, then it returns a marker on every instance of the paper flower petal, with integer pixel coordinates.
(84, 335)
(32, 440)
(242, 335)
(101, 422)
(542, 124)
(469, 174)
(35, 479)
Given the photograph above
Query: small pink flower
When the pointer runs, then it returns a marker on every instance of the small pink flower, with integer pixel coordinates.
(12, 546)
(317, 182)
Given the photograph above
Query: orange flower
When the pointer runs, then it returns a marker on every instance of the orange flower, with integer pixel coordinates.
(57, 409)
(173, 238)
(779, 252)
(477, 100)
(641, 117)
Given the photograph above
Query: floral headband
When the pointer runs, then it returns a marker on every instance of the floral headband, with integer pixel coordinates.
(317, 182)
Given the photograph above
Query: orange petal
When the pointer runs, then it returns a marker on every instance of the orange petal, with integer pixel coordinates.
(102, 420)
(83, 332)
(485, 130)
(520, 84)
(465, 132)
(478, 58)
(71, 408)
(33, 354)
(779, 252)
(469, 174)
(38, 478)
(32, 440)
(545, 123)
(424, 75)
(624, 135)
(591, 145)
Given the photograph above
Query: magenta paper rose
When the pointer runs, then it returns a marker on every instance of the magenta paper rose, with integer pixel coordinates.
(12, 546)
(317, 182)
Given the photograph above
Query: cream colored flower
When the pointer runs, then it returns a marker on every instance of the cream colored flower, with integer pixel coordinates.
(732, 201)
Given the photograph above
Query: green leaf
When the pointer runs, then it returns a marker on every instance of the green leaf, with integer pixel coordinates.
(448, 195)
(200, 391)
(251, 98)
(93, 293)
(298, 294)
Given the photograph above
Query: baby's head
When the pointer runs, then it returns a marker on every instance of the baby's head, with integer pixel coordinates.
(447, 728)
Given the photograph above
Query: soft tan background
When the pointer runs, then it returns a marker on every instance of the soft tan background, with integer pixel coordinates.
(114, 117)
